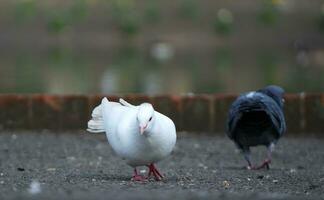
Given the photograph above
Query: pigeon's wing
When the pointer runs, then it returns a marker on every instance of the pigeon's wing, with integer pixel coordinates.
(255, 102)
(125, 103)
(167, 132)
(235, 114)
(113, 113)
(96, 123)
(275, 112)
(164, 122)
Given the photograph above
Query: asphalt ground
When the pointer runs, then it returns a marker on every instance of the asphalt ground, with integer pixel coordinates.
(80, 165)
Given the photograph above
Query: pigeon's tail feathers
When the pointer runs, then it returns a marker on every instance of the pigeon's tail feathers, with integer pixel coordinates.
(96, 123)
(255, 102)
(249, 102)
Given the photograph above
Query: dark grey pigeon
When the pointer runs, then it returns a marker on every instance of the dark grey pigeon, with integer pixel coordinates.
(257, 118)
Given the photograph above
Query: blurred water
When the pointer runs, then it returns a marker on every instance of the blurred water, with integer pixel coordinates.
(153, 47)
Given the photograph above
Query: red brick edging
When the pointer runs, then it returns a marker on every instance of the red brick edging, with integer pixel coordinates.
(199, 113)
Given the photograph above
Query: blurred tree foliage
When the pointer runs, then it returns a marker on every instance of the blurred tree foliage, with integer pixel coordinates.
(25, 10)
(78, 11)
(125, 16)
(128, 18)
(223, 59)
(59, 56)
(25, 75)
(269, 13)
(57, 22)
(152, 13)
(321, 20)
(60, 19)
(224, 22)
(268, 62)
(129, 61)
(189, 9)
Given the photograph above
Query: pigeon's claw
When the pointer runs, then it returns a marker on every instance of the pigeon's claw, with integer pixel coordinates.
(250, 167)
(265, 164)
(153, 171)
(138, 177)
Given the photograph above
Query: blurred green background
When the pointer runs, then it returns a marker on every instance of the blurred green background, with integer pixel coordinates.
(172, 46)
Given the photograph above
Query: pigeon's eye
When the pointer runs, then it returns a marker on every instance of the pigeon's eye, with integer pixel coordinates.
(150, 119)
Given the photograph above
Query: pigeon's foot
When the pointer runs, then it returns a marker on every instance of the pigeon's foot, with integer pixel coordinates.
(250, 167)
(153, 171)
(137, 177)
(265, 164)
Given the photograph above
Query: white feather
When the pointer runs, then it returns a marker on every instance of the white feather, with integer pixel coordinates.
(95, 125)
(125, 103)
(250, 94)
(122, 130)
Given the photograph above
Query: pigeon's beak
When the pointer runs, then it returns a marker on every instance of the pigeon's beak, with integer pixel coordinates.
(142, 129)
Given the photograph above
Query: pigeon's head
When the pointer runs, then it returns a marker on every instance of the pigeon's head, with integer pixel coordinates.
(145, 117)
(276, 93)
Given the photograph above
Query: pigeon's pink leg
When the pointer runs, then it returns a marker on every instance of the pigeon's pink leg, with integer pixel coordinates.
(247, 156)
(267, 161)
(265, 164)
(150, 172)
(137, 177)
(155, 172)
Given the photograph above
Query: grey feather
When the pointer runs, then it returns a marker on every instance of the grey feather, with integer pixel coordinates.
(257, 118)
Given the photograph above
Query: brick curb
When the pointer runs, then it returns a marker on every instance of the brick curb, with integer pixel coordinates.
(200, 113)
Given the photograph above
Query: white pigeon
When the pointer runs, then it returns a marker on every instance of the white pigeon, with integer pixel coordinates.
(138, 134)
